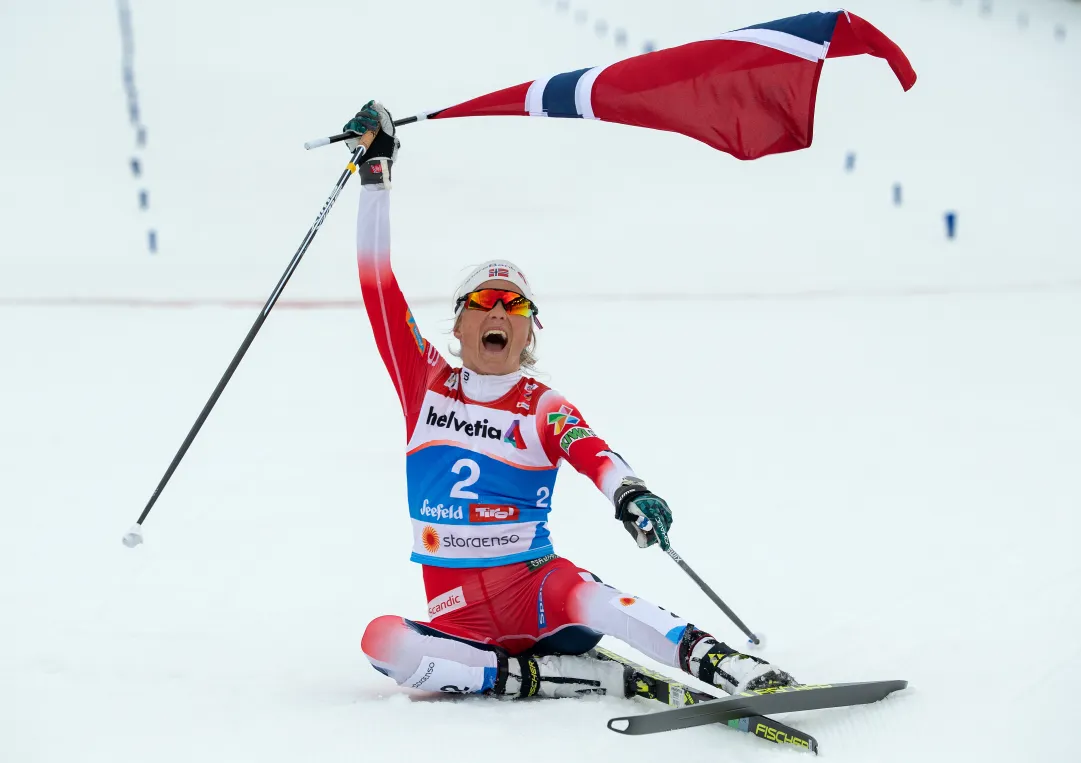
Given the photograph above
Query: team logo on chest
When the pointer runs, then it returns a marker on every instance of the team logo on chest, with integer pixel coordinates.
(564, 417)
(514, 435)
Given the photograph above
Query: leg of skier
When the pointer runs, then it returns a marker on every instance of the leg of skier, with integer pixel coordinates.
(481, 618)
(575, 597)
(519, 630)
(422, 656)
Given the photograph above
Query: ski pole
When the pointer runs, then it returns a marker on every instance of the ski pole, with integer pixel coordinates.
(646, 526)
(134, 536)
(713, 596)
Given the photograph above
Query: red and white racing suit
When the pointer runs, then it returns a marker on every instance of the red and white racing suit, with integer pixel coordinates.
(481, 460)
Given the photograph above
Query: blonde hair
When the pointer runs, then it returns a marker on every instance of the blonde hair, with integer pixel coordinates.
(528, 358)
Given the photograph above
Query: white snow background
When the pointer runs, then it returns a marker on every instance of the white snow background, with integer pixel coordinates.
(870, 436)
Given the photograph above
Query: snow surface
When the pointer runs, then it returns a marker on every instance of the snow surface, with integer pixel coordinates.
(870, 436)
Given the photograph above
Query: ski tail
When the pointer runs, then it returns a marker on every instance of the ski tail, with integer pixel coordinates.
(649, 684)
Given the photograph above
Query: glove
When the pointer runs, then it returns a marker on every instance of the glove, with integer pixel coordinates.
(374, 116)
(381, 154)
(645, 515)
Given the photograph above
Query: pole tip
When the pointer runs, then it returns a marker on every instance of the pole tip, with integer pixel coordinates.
(758, 645)
(133, 537)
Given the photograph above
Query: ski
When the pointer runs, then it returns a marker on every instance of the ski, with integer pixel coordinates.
(659, 687)
(786, 699)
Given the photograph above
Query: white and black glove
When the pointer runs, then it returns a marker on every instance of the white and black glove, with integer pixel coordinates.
(645, 515)
(382, 153)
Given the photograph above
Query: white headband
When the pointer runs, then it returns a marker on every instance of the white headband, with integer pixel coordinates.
(503, 270)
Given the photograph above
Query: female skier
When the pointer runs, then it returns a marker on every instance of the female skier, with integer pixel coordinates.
(506, 615)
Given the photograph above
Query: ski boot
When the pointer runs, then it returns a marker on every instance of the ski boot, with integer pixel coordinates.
(559, 675)
(640, 681)
(720, 665)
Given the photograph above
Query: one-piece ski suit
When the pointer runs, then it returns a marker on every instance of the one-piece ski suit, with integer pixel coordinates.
(481, 459)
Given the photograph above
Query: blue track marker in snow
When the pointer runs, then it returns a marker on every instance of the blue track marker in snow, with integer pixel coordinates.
(850, 161)
(136, 168)
(144, 199)
(897, 194)
(620, 36)
(1060, 31)
(648, 46)
(601, 28)
(152, 241)
(951, 225)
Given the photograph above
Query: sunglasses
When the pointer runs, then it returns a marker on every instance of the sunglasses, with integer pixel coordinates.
(486, 299)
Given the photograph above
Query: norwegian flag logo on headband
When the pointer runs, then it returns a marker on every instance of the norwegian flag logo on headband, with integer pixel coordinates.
(750, 92)
(504, 270)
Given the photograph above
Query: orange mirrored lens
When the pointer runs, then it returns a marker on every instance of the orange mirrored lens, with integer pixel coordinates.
(513, 302)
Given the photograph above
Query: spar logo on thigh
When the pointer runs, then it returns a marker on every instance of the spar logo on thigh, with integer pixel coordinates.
(667, 624)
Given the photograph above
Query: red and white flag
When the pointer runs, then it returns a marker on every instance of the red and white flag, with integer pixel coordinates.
(750, 92)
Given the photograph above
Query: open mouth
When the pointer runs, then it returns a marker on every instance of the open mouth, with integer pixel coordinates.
(494, 340)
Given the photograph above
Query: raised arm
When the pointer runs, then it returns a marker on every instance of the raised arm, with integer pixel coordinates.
(411, 361)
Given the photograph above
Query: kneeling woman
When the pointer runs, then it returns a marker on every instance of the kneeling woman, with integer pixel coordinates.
(506, 615)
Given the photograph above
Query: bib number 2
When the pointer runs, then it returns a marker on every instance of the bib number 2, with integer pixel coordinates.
(474, 474)
(472, 469)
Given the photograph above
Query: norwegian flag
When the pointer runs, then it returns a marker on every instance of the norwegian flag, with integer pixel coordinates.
(749, 93)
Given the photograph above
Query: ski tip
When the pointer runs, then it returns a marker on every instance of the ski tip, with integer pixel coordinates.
(895, 684)
(619, 725)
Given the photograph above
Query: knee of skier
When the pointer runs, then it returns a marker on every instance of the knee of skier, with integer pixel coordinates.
(397, 649)
(561, 588)
(383, 642)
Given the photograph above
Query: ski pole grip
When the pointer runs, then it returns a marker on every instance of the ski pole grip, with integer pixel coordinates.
(367, 139)
(365, 142)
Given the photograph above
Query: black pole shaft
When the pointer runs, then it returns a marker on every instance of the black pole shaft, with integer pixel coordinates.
(713, 596)
(260, 319)
(397, 123)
